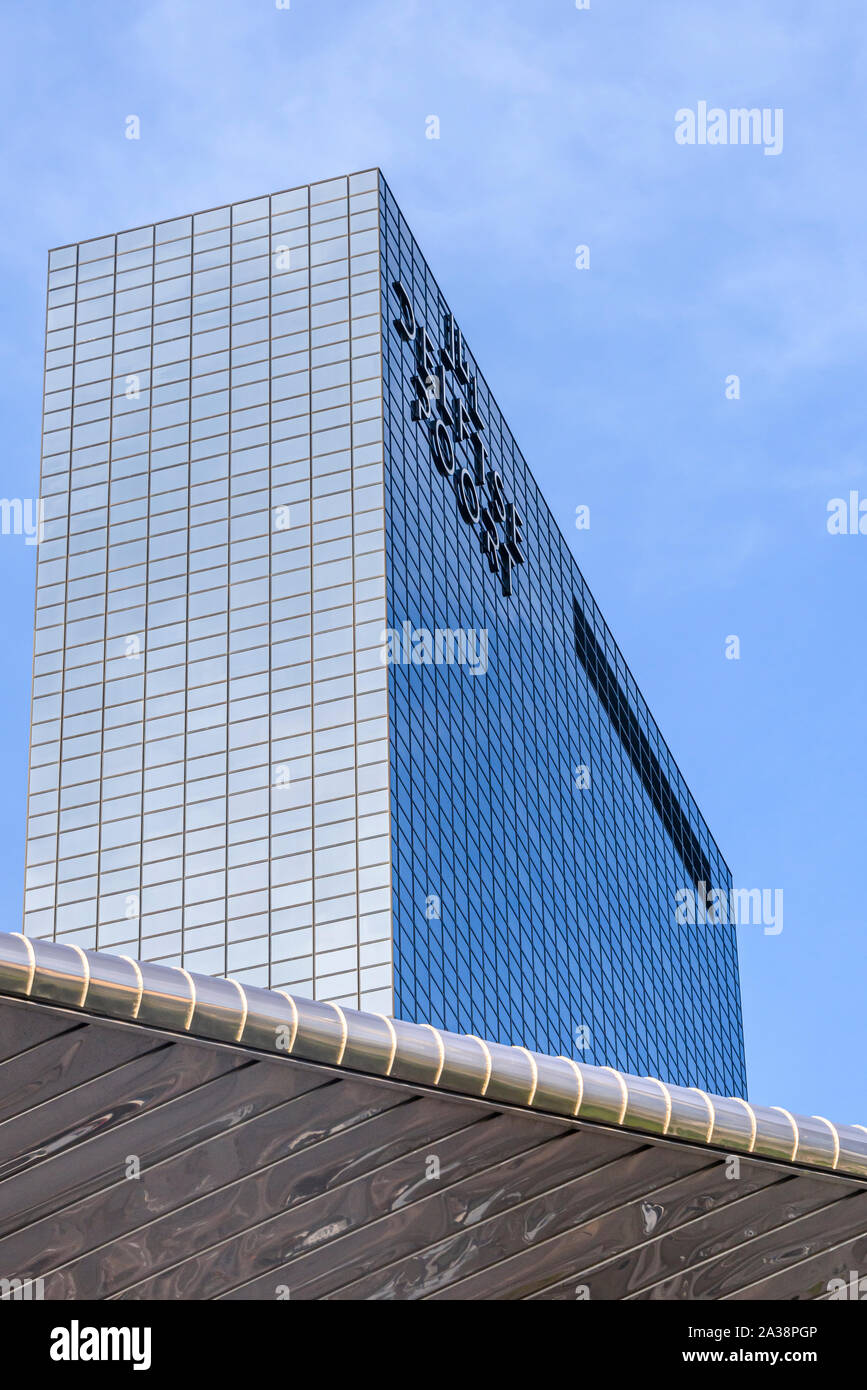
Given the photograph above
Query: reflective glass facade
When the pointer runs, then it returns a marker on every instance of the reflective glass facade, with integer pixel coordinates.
(209, 729)
(231, 769)
(540, 827)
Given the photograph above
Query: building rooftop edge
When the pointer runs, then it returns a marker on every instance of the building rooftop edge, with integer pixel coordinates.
(213, 1009)
(216, 207)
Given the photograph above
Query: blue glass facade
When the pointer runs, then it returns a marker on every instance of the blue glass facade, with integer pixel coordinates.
(540, 827)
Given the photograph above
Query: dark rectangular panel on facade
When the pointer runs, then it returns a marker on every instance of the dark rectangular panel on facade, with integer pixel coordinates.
(637, 745)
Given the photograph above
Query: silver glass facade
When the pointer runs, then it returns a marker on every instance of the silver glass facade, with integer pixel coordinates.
(209, 741)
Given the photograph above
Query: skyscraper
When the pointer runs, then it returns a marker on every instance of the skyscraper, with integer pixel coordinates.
(321, 699)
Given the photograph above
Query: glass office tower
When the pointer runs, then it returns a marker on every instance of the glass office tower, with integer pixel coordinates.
(321, 700)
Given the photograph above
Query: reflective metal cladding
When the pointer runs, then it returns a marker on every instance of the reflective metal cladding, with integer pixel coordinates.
(172, 999)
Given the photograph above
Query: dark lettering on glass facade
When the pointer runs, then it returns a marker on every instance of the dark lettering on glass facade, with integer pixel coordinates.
(446, 401)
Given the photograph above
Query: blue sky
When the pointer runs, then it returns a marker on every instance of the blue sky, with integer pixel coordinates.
(708, 515)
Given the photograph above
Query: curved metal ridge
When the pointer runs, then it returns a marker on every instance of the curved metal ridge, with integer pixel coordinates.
(224, 1010)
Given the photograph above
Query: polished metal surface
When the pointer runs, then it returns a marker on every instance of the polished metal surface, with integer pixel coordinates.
(271, 1021)
(137, 1163)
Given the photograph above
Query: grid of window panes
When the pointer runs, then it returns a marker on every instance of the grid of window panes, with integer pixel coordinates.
(527, 910)
(209, 771)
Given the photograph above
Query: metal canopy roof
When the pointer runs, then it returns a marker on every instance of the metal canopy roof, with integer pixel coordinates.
(171, 1136)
